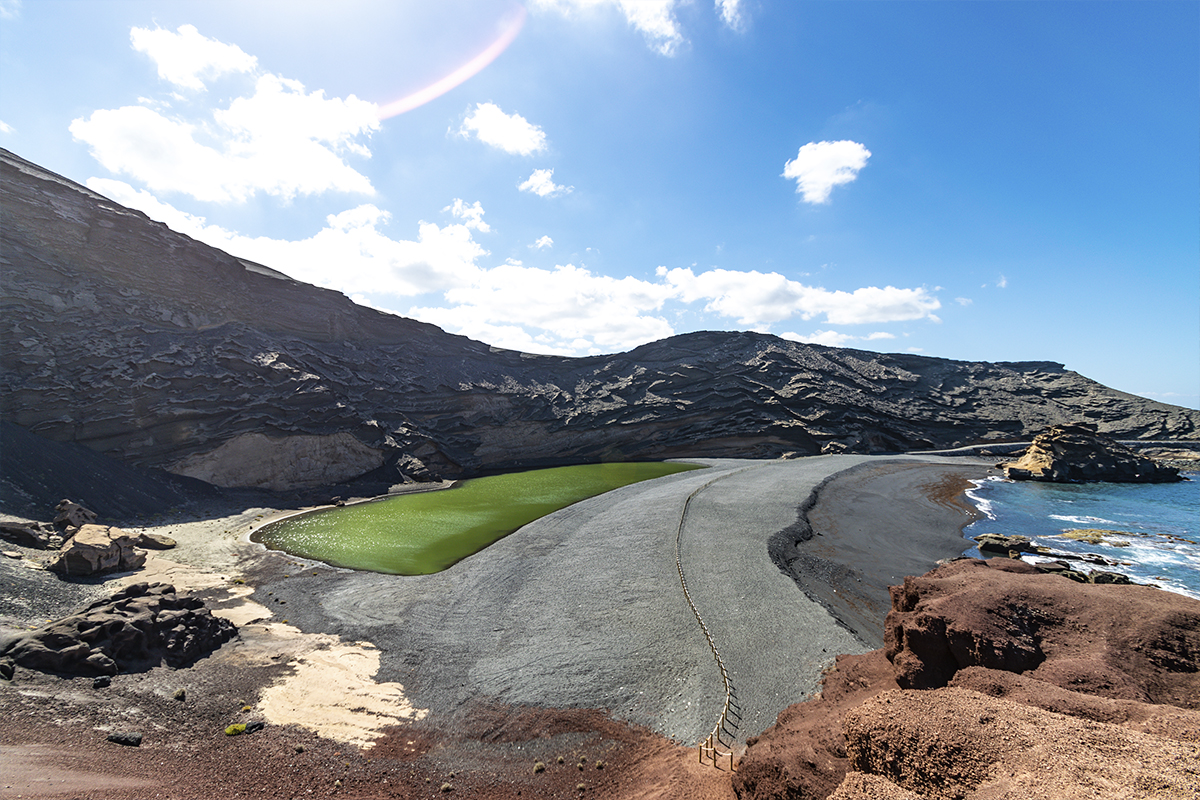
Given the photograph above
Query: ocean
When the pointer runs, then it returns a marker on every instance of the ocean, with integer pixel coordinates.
(1151, 530)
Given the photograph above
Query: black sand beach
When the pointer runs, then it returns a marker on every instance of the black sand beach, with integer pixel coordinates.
(580, 610)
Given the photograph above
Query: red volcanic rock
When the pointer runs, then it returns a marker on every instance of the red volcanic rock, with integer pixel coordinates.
(1030, 687)
(957, 744)
(1123, 642)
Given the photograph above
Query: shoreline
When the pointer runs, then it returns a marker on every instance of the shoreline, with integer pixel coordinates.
(485, 640)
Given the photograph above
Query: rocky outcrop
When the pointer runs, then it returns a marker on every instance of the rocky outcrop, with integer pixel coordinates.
(145, 345)
(1074, 453)
(98, 549)
(1037, 687)
(1128, 642)
(254, 460)
(137, 628)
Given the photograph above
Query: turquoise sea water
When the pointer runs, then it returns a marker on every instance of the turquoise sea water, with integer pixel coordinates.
(1159, 524)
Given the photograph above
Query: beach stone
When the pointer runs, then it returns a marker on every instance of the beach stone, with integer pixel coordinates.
(998, 543)
(97, 549)
(1074, 453)
(139, 627)
(1109, 577)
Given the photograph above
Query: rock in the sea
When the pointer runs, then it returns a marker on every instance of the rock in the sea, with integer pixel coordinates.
(69, 514)
(1074, 453)
(998, 543)
(96, 549)
(137, 628)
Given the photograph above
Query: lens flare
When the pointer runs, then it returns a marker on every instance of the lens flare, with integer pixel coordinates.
(512, 27)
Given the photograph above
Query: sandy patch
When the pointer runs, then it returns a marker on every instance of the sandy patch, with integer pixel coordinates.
(332, 693)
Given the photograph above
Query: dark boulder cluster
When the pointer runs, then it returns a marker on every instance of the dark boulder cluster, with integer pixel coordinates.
(139, 627)
(1077, 453)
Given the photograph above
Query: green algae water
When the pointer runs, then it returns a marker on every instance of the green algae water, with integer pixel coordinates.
(417, 534)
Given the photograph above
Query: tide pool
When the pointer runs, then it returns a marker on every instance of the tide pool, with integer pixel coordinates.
(418, 534)
(1153, 530)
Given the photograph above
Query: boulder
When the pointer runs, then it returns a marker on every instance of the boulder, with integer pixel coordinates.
(97, 549)
(137, 628)
(26, 534)
(68, 514)
(154, 541)
(1074, 453)
(997, 543)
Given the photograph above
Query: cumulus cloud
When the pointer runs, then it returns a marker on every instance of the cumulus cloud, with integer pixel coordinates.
(5, 127)
(541, 183)
(512, 133)
(280, 139)
(350, 253)
(963, 301)
(819, 166)
(758, 299)
(574, 309)
(731, 13)
(472, 215)
(542, 243)
(184, 56)
(654, 19)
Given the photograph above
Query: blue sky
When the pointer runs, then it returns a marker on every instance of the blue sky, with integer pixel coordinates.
(981, 181)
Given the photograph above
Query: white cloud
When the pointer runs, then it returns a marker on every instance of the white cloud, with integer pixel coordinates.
(759, 299)
(472, 214)
(574, 309)
(654, 19)
(512, 133)
(5, 127)
(827, 338)
(541, 183)
(819, 166)
(1002, 283)
(542, 243)
(350, 254)
(10, 9)
(184, 56)
(731, 13)
(281, 140)
(963, 301)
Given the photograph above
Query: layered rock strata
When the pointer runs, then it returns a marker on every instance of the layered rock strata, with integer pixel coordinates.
(163, 352)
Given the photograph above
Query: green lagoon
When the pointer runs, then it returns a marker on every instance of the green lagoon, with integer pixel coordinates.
(417, 534)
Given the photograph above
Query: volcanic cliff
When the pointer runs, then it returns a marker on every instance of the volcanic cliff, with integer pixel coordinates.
(135, 341)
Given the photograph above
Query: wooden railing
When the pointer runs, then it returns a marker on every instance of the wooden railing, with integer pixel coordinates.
(730, 711)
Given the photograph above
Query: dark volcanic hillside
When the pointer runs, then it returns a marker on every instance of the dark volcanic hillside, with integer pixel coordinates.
(138, 342)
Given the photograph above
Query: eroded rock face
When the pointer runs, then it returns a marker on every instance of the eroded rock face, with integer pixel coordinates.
(184, 349)
(254, 460)
(1042, 689)
(1117, 641)
(1073, 453)
(139, 627)
(97, 549)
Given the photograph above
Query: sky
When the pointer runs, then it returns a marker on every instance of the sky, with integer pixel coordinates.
(984, 181)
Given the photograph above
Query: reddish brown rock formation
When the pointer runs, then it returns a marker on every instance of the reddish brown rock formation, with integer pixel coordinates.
(1031, 687)
(1071, 453)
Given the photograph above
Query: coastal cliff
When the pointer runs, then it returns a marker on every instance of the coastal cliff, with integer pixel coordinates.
(152, 348)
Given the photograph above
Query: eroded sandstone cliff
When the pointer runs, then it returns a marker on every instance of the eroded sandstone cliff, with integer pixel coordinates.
(143, 344)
